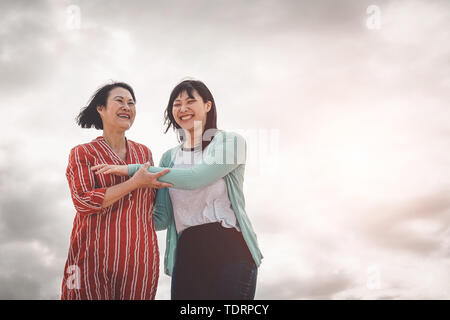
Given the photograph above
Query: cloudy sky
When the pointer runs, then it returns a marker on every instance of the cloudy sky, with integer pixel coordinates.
(344, 104)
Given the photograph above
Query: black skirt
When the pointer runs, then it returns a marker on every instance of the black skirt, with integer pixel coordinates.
(202, 253)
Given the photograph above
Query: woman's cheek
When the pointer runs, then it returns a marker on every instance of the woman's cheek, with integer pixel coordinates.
(178, 121)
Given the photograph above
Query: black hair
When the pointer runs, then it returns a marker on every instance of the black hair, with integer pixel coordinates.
(89, 116)
(211, 116)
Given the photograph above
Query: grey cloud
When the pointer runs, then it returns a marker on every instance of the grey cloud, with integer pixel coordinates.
(30, 270)
(34, 236)
(31, 215)
(26, 29)
(29, 210)
(36, 44)
(323, 286)
(19, 287)
(384, 225)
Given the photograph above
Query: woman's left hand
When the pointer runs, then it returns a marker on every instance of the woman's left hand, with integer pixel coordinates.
(118, 170)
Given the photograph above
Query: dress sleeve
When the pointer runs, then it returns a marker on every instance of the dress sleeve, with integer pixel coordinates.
(86, 198)
(228, 153)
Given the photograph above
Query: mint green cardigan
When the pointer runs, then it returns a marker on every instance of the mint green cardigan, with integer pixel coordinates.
(224, 158)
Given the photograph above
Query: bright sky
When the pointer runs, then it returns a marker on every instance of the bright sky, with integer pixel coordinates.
(348, 128)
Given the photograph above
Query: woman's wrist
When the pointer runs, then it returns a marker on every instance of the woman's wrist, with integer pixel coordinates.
(134, 184)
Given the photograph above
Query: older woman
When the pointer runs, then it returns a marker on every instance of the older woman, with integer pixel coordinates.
(113, 251)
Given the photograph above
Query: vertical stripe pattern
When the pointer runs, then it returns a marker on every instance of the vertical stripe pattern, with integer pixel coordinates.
(113, 252)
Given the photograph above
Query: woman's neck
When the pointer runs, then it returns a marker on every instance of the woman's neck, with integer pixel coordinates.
(115, 139)
(193, 138)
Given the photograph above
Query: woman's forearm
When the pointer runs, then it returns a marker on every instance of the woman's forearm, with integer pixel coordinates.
(207, 171)
(190, 178)
(118, 191)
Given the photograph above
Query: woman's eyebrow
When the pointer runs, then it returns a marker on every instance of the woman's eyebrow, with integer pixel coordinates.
(130, 99)
(188, 98)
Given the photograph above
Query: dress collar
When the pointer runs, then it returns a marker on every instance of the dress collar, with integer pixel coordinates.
(102, 140)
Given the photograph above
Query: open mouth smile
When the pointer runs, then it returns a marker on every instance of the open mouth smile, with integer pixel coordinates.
(124, 116)
(186, 117)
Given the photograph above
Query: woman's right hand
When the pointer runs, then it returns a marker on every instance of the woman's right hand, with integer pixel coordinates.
(145, 179)
(118, 170)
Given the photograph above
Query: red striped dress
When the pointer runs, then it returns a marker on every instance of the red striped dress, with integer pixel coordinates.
(113, 251)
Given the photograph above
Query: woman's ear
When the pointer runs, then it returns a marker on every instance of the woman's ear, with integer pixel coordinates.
(208, 106)
(99, 108)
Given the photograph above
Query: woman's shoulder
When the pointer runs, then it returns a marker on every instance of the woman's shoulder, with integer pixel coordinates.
(169, 154)
(86, 147)
(220, 135)
(138, 145)
(140, 149)
(86, 150)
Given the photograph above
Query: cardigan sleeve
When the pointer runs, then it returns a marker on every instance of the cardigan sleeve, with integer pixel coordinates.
(86, 198)
(161, 216)
(228, 152)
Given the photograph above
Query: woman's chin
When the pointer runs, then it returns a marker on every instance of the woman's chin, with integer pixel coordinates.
(186, 126)
(124, 126)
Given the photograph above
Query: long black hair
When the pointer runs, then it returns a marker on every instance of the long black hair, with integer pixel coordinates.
(211, 117)
(89, 116)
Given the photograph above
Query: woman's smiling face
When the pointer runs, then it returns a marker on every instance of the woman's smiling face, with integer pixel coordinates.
(120, 111)
(187, 111)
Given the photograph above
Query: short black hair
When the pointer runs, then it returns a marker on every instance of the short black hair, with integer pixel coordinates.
(205, 93)
(89, 116)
